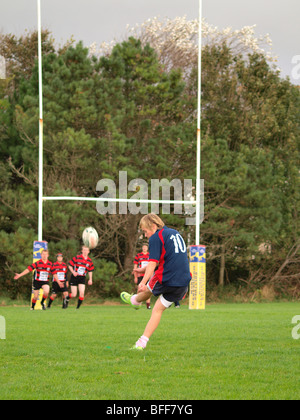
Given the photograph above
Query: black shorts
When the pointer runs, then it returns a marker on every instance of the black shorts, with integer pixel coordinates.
(167, 294)
(56, 289)
(37, 284)
(75, 281)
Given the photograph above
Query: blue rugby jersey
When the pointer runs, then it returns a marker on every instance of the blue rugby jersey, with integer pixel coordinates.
(167, 247)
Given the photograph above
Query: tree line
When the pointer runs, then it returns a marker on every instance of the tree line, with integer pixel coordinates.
(126, 110)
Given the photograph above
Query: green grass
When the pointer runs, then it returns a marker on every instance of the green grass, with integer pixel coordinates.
(234, 351)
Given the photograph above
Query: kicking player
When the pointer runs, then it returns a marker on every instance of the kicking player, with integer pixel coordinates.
(60, 283)
(168, 250)
(80, 266)
(41, 277)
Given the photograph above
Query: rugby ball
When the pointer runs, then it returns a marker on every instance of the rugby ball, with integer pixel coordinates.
(90, 237)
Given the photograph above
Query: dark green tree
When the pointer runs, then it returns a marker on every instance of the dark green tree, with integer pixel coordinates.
(124, 112)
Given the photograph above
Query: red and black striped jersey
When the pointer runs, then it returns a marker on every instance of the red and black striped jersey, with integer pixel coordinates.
(82, 265)
(61, 270)
(42, 270)
(141, 260)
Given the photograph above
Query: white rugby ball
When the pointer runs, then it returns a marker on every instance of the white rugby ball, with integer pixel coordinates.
(90, 237)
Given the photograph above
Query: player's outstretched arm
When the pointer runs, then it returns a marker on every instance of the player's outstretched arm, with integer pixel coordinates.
(17, 276)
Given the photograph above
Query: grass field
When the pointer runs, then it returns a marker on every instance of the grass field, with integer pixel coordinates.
(228, 351)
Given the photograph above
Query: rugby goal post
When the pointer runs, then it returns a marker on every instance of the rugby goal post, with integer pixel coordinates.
(195, 284)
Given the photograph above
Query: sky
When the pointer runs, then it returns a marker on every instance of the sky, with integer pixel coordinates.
(104, 20)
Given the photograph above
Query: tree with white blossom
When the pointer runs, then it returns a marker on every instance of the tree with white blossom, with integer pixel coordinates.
(176, 40)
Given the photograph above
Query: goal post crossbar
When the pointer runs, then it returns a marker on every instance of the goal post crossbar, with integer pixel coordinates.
(120, 200)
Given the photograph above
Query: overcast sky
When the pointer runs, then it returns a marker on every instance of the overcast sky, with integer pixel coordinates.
(105, 20)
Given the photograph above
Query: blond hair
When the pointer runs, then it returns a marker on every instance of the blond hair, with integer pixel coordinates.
(149, 220)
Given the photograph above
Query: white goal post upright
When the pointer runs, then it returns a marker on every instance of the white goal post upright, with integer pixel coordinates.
(40, 216)
(197, 290)
(198, 171)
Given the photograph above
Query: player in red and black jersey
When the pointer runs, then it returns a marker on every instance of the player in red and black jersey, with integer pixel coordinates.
(80, 266)
(141, 261)
(60, 283)
(41, 277)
